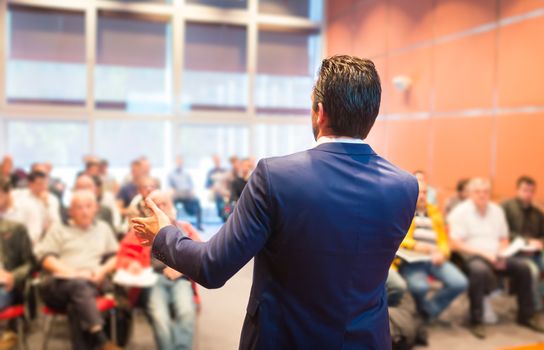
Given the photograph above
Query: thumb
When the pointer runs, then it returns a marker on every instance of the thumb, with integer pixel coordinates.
(151, 205)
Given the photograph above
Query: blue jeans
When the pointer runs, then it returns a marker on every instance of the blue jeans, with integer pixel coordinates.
(5, 299)
(417, 274)
(172, 330)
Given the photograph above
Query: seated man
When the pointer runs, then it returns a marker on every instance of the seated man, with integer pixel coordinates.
(427, 235)
(396, 287)
(17, 262)
(525, 220)
(479, 232)
(86, 182)
(171, 290)
(184, 192)
(73, 256)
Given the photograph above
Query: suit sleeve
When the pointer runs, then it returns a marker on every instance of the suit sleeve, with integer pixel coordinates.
(245, 233)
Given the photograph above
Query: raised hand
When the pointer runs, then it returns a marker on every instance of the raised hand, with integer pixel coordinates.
(147, 228)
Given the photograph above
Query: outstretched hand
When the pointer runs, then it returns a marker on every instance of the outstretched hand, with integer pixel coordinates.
(148, 227)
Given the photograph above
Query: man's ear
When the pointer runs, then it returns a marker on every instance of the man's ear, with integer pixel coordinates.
(322, 118)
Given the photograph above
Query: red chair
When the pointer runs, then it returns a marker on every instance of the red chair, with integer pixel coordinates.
(103, 304)
(17, 313)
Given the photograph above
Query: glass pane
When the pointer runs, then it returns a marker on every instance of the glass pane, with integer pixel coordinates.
(228, 4)
(286, 66)
(215, 75)
(197, 144)
(282, 139)
(312, 9)
(46, 56)
(59, 142)
(133, 67)
(120, 142)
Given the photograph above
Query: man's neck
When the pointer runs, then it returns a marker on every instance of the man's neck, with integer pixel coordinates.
(524, 204)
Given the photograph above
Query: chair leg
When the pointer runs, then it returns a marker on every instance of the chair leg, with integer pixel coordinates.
(21, 339)
(48, 326)
(113, 326)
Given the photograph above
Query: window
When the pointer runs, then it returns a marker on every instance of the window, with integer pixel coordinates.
(287, 64)
(311, 9)
(197, 143)
(46, 56)
(280, 139)
(226, 4)
(215, 67)
(133, 64)
(61, 142)
(123, 141)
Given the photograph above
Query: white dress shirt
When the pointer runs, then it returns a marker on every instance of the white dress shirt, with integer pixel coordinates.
(342, 139)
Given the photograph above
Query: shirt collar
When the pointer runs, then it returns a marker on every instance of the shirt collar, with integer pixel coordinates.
(342, 139)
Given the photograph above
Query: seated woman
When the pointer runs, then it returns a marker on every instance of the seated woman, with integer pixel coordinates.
(172, 289)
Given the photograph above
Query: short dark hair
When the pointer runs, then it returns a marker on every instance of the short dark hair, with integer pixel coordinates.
(350, 91)
(526, 180)
(5, 185)
(461, 185)
(34, 175)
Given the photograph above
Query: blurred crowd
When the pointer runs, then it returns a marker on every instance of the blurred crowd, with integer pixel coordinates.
(68, 249)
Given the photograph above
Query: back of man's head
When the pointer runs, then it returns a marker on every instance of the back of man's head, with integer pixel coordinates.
(350, 91)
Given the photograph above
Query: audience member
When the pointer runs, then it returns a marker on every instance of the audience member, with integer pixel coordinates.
(525, 220)
(74, 255)
(396, 287)
(17, 263)
(86, 182)
(8, 173)
(460, 195)
(109, 184)
(213, 182)
(39, 208)
(146, 185)
(182, 184)
(130, 189)
(239, 182)
(8, 211)
(479, 232)
(431, 192)
(427, 235)
(171, 330)
(56, 186)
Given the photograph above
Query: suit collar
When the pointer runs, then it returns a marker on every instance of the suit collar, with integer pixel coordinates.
(345, 148)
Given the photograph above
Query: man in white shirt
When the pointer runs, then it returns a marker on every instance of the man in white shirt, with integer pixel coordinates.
(39, 208)
(479, 232)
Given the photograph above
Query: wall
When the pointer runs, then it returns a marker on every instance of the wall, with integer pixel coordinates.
(476, 103)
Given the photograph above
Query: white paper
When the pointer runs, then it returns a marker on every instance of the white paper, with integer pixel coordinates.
(147, 278)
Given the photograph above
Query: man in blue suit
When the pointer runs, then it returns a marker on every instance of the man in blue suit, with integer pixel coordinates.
(323, 226)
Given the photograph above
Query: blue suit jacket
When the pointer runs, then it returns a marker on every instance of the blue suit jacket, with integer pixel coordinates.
(323, 226)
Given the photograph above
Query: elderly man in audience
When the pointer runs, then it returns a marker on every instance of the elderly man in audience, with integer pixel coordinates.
(85, 182)
(39, 208)
(479, 232)
(427, 235)
(146, 185)
(184, 191)
(17, 262)
(526, 221)
(78, 258)
(172, 290)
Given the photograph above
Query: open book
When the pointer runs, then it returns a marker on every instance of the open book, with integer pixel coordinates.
(147, 278)
(518, 245)
(412, 257)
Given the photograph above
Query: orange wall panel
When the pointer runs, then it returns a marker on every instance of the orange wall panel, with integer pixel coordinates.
(370, 29)
(376, 138)
(464, 73)
(415, 65)
(521, 64)
(408, 143)
(337, 8)
(339, 36)
(413, 22)
(459, 15)
(462, 147)
(520, 151)
(516, 7)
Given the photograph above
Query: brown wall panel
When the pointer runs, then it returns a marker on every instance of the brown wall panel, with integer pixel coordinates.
(370, 28)
(413, 22)
(518, 7)
(339, 36)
